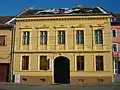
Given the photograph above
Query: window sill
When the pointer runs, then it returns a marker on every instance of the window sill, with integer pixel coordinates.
(99, 70)
(25, 44)
(2, 45)
(61, 44)
(80, 71)
(79, 44)
(98, 44)
(35, 70)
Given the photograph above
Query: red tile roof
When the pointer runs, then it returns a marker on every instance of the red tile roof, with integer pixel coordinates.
(4, 19)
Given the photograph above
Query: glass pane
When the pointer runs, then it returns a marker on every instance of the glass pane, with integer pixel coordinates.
(80, 62)
(26, 38)
(61, 37)
(114, 48)
(44, 63)
(2, 40)
(43, 37)
(114, 33)
(79, 37)
(99, 62)
(25, 62)
(98, 37)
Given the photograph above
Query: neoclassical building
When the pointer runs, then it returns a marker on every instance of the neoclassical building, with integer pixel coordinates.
(63, 45)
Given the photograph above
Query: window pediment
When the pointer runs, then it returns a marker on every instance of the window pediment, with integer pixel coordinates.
(78, 26)
(25, 27)
(61, 26)
(42, 27)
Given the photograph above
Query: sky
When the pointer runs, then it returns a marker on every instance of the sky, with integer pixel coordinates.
(14, 7)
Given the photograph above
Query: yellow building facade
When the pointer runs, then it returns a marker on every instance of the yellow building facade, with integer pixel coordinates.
(67, 45)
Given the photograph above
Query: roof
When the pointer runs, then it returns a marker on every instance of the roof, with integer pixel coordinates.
(117, 15)
(6, 26)
(4, 19)
(63, 12)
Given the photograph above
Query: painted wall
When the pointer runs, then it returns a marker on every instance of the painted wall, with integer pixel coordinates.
(5, 50)
(69, 50)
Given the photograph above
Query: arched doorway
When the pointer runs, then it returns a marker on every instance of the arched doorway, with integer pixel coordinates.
(61, 70)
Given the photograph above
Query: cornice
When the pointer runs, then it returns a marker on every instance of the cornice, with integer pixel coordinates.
(60, 18)
(69, 51)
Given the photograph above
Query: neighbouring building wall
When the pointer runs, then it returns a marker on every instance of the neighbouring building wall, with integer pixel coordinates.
(5, 52)
(116, 46)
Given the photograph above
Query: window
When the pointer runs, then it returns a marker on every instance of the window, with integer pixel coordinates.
(61, 37)
(80, 63)
(98, 37)
(25, 62)
(114, 33)
(26, 35)
(79, 37)
(44, 63)
(43, 37)
(99, 63)
(115, 47)
(2, 40)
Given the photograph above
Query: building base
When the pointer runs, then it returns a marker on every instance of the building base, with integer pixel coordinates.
(38, 80)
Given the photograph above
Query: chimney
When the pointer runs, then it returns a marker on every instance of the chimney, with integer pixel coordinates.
(79, 6)
(28, 8)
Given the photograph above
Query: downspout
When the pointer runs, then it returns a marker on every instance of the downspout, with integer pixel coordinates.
(12, 55)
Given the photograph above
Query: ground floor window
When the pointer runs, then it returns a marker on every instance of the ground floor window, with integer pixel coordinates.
(80, 63)
(25, 62)
(44, 63)
(99, 63)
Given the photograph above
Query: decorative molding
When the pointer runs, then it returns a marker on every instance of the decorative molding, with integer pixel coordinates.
(78, 26)
(97, 25)
(25, 27)
(43, 27)
(62, 51)
(61, 18)
(61, 26)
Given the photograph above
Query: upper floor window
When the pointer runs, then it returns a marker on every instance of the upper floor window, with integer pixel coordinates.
(2, 40)
(43, 37)
(98, 37)
(115, 47)
(80, 63)
(25, 62)
(114, 33)
(99, 63)
(61, 37)
(26, 37)
(44, 63)
(79, 37)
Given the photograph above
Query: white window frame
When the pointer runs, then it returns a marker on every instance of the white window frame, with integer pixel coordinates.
(62, 40)
(115, 32)
(116, 47)
(79, 37)
(26, 39)
(44, 38)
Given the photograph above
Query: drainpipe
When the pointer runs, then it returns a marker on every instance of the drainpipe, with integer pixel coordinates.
(12, 55)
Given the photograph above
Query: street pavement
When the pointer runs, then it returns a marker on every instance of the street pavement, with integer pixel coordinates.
(115, 86)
